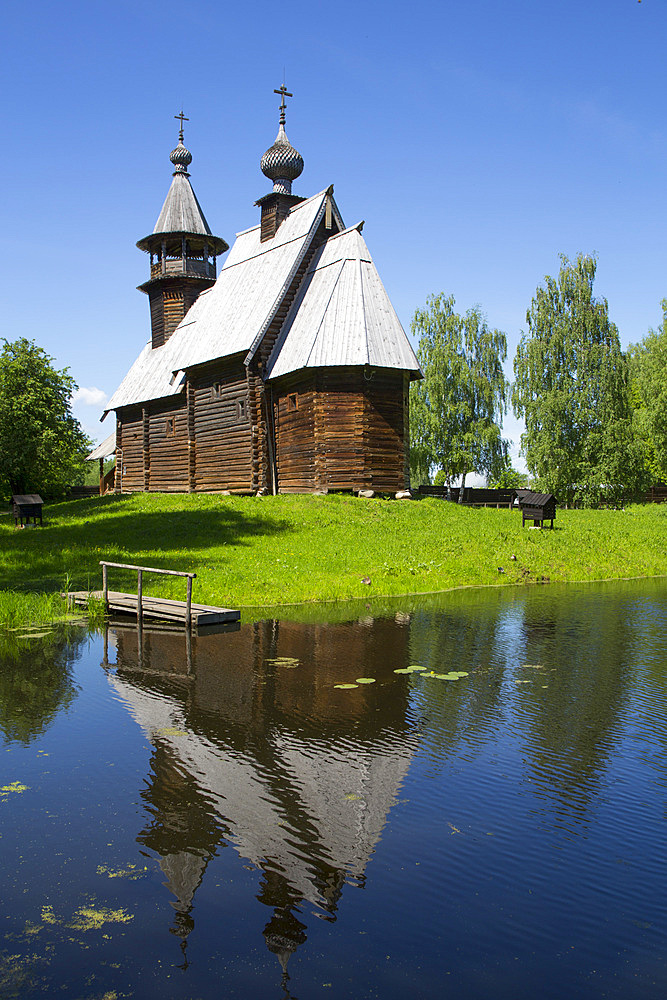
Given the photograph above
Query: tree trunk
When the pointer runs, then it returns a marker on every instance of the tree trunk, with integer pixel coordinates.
(463, 483)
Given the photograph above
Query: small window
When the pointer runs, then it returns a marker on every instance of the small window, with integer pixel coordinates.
(293, 402)
(170, 427)
(241, 410)
(216, 391)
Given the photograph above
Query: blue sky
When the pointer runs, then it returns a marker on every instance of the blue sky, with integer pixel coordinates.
(477, 139)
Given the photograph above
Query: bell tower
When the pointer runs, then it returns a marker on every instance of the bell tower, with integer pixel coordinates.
(182, 250)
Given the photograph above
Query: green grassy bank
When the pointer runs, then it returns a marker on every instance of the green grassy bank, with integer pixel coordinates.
(250, 551)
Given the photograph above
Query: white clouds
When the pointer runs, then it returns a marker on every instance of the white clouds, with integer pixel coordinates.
(90, 397)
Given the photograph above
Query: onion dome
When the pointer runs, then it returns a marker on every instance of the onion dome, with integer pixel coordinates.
(282, 163)
(181, 157)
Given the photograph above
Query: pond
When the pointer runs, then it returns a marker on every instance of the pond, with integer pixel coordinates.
(222, 818)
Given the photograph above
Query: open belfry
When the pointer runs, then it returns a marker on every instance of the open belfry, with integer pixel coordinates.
(289, 372)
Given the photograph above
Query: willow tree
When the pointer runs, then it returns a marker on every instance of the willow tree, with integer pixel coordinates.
(455, 411)
(648, 377)
(571, 388)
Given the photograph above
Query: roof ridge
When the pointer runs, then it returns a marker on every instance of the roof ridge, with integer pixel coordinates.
(307, 242)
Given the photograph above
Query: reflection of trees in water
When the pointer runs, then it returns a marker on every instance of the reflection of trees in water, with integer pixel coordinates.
(571, 709)
(563, 709)
(461, 636)
(36, 681)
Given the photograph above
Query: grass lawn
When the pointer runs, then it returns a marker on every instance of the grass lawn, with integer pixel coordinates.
(266, 551)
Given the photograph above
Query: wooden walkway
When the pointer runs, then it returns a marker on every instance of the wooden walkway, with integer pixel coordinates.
(158, 608)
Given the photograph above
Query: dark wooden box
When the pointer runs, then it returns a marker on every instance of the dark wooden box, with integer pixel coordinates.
(26, 507)
(537, 507)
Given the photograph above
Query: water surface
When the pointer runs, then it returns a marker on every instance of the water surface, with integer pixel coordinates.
(219, 819)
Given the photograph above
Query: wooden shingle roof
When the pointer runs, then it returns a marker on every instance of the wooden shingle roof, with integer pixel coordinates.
(342, 315)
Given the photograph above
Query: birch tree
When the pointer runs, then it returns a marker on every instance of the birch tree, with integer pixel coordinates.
(648, 383)
(456, 410)
(571, 388)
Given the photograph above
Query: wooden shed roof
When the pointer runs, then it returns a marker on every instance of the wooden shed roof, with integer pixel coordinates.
(105, 449)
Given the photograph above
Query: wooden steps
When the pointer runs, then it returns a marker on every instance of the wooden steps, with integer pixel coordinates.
(158, 608)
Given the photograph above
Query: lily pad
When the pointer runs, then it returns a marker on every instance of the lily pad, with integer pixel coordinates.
(415, 668)
(403, 670)
(460, 673)
(365, 680)
(345, 687)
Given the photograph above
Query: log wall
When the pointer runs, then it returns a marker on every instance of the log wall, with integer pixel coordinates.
(341, 429)
(129, 449)
(169, 303)
(221, 427)
(166, 447)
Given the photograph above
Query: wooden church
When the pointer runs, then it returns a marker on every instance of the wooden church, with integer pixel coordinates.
(288, 373)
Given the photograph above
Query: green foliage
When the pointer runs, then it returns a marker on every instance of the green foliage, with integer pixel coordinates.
(509, 478)
(571, 388)
(648, 384)
(455, 410)
(42, 446)
(440, 478)
(92, 471)
(36, 681)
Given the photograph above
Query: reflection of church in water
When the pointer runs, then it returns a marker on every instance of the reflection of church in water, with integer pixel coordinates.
(269, 757)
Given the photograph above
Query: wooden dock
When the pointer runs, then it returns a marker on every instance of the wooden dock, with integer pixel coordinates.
(142, 606)
(158, 608)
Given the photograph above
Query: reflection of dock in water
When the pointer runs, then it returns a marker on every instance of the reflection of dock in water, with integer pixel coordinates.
(298, 776)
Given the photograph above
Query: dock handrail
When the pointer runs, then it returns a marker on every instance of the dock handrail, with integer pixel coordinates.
(140, 571)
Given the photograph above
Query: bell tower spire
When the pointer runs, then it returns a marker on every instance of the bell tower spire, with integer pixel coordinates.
(182, 250)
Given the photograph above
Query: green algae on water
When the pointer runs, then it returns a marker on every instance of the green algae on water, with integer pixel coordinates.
(15, 787)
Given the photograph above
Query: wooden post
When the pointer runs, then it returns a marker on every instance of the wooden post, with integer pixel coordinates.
(188, 605)
(105, 588)
(188, 650)
(140, 609)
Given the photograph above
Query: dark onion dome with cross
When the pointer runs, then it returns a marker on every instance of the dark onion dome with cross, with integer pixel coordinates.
(282, 163)
(182, 250)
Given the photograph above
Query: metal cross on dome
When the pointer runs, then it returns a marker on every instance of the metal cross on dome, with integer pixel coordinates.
(284, 92)
(183, 119)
